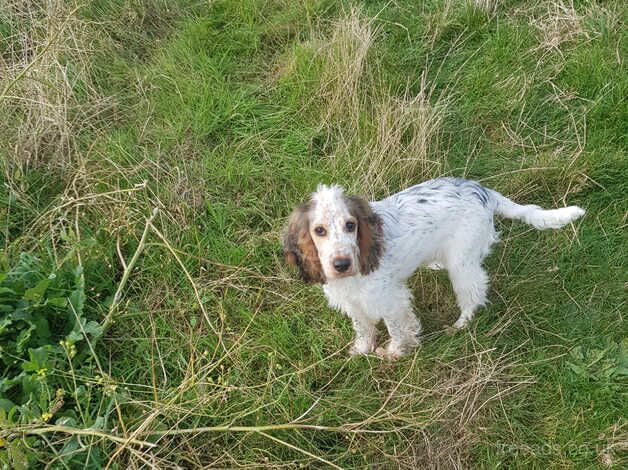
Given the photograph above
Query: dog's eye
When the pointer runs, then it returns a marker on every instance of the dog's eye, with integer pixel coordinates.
(350, 226)
(320, 231)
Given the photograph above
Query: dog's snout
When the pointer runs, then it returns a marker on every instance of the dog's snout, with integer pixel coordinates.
(342, 264)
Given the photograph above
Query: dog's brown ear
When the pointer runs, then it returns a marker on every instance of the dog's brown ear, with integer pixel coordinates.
(370, 233)
(298, 247)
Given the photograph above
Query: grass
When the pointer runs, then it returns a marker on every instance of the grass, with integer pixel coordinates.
(224, 115)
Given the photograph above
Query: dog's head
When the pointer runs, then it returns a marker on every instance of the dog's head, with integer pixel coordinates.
(333, 236)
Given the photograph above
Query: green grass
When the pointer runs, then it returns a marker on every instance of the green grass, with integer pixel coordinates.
(225, 115)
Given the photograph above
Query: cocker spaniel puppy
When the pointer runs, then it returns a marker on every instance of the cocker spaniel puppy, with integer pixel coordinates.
(363, 253)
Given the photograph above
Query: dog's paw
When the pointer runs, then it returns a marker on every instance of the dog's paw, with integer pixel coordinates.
(450, 330)
(361, 347)
(387, 355)
(461, 323)
(390, 353)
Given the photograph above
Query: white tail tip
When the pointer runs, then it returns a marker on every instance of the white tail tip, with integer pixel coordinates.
(554, 218)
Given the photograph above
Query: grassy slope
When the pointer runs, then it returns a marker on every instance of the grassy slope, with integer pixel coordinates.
(233, 112)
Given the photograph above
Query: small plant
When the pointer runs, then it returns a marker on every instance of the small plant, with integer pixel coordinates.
(44, 335)
(606, 366)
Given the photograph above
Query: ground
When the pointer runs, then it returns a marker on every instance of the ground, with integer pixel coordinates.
(223, 115)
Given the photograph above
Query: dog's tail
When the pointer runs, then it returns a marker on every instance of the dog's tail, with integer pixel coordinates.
(535, 215)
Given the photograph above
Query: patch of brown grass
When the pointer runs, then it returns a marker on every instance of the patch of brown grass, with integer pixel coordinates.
(387, 139)
(559, 25)
(404, 142)
(487, 6)
(54, 120)
(47, 94)
(345, 54)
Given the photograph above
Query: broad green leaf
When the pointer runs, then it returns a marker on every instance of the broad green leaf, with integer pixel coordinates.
(98, 424)
(30, 389)
(22, 313)
(74, 336)
(69, 449)
(41, 327)
(93, 328)
(4, 323)
(37, 292)
(78, 275)
(57, 301)
(6, 290)
(6, 405)
(38, 359)
(68, 421)
(77, 301)
(23, 338)
(17, 456)
(578, 370)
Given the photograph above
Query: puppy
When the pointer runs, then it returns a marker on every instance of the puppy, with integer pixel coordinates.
(363, 253)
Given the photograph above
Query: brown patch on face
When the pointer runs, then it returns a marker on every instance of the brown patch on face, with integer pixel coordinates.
(298, 247)
(370, 233)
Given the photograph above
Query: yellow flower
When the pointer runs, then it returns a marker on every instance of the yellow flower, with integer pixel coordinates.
(45, 417)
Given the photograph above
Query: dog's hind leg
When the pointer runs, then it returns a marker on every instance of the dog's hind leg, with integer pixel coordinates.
(463, 260)
(470, 284)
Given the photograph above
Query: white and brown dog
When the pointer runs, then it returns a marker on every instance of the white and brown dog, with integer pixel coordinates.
(363, 253)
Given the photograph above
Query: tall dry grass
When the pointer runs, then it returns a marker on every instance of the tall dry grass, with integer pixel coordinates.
(345, 70)
(55, 120)
(487, 6)
(386, 137)
(47, 96)
(558, 25)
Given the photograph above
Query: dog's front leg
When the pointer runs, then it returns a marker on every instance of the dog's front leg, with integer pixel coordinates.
(365, 334)
(404, 329)
(402, 324)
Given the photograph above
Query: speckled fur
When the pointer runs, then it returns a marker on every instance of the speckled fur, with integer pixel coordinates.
(445, 223)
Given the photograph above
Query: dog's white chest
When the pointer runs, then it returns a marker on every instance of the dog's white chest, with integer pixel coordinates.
(352, 296)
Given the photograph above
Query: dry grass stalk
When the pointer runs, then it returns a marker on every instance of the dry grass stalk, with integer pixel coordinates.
(383, 137)
(560, 24)
(345, 54)
(405, 138)
(47, 92)
(487, 6)
(454, 399)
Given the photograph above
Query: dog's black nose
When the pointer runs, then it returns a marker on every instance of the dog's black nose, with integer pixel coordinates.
(342, 264)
